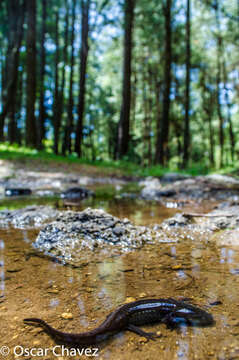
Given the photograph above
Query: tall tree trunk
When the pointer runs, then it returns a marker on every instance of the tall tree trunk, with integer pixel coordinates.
(16, 13)
(31, 139)
(229, 119)
(158, 91)
(162, 149)
(19, 120)
(67, 146)
(187, 93)
(65, 60)
(85, 6)
(146, 119)
(218, 83)
(124, 122)
(56, 124)
(208, 103)
(42, 110)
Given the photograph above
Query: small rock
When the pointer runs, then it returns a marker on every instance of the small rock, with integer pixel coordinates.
(36, 342)
(53, 291)
(118, 230)
(17, 191)
(143, 340)
(129, 299)
(76, 193)
(67, 316)
(142, 295)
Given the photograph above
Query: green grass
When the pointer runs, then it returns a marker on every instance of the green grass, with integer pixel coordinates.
(24, 155)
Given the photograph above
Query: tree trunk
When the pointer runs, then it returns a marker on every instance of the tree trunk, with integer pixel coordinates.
(146, 120)
(218, 82)
(42, 110)
(162, 150)
(56, 124)
(19, 120)
(208, 99)
(187, 93)
(65, 60)
(16, 10)
(67, 146)
(31, 139)
(229, 120)
(85, 6)
(124, 122)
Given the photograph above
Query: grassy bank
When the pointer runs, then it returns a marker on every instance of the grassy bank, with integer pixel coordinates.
(46, 160)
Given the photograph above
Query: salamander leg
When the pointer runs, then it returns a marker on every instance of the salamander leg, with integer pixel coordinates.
(170, 321)
(138, 331)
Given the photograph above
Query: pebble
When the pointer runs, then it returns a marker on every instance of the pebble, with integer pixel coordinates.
(36, 342)
(53, 291)
(143, 340)
(67, 316)
(142, 295)
(129, 299)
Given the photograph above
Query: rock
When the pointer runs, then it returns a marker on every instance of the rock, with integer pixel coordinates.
(31, 216)
(150, 181)
(172, 177)
(73, 234)
(224, 181)
(177, 220)
(67, 316)
(166, 193)
(220, 226)
(118, 230)
(212, 187)
(44, 193)
(151, 188)
(17, 192)
(76, 193)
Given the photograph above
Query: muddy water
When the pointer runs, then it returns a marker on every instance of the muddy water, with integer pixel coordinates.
(32, 285)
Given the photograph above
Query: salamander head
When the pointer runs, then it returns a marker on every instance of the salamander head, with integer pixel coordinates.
(192, 316)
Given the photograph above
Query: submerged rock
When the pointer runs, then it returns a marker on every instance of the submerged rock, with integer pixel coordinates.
(72, 234)
(76, 193)
(220, 225)
(17, 192)
(31, 216)
(211, 187)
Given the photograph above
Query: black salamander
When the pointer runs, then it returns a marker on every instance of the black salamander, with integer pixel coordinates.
(129, 316)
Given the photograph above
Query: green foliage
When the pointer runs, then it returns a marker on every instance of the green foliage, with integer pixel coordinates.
(104, 84)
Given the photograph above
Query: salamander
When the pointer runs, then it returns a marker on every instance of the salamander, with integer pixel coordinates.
(129, 316)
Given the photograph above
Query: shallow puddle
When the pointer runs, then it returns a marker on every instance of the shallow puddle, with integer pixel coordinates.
(34, 286)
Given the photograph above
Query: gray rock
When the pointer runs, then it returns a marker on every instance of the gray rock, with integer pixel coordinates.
(76, 193)
(151, 181)
(31, 216)
(206, 228)
(172, 177)
(177, 220)
(225, 181)
(73, 234)
(213, 187)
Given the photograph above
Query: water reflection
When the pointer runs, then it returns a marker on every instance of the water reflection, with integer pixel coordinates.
(54, 302)
(183, 348)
